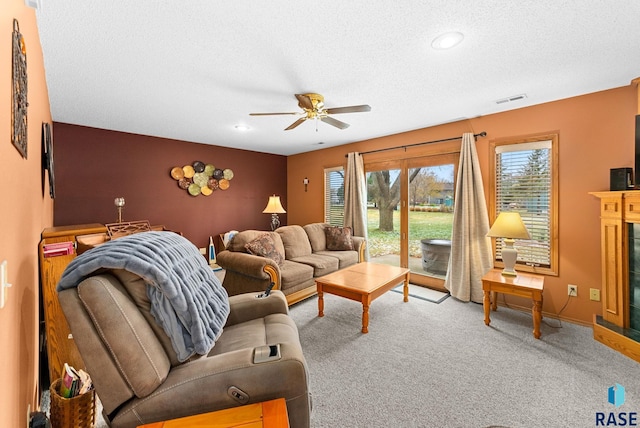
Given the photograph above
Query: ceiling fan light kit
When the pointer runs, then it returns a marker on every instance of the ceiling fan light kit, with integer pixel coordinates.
(313, 108)
(447, 40)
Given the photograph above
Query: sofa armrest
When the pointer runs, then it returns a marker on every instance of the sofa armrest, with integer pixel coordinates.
(247, 264)
(246, 307)
(359, 244)
(247, 273)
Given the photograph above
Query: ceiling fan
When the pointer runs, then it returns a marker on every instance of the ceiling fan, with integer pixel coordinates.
(313, 106)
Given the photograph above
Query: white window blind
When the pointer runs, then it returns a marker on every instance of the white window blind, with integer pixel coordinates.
(524, 184)
(334, 196)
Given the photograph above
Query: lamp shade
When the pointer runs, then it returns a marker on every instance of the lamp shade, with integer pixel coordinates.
(274, 206)
(509, 225)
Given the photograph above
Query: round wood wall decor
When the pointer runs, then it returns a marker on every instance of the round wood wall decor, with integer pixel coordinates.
(200, 178)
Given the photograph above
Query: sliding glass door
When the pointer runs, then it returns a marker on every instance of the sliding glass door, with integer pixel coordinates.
(383, 216)
(410, 214)
(430, 217)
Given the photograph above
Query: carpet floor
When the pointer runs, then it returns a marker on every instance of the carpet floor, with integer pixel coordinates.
(438, 366)
(428, 365)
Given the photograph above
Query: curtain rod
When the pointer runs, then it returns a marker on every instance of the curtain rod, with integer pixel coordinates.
(481, 134)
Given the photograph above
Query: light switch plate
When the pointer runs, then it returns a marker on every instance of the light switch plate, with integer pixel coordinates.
(4, 283)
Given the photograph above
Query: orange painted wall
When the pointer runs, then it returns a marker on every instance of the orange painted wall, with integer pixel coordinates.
(596, 133)
(25, 212)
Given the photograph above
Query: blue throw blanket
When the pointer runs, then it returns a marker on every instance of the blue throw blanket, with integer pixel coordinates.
(187, 299)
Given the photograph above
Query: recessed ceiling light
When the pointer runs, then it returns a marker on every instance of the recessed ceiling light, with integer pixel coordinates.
(447, 40)
(242, 127)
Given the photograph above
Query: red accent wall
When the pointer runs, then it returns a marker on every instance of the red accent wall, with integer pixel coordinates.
(94, 166)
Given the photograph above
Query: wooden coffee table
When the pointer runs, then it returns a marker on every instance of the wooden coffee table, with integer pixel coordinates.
(363, 282)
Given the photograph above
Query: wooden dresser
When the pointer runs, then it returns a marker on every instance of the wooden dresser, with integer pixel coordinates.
(59, 342)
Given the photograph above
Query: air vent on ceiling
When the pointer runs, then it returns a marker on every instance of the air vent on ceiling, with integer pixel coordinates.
(511, 99)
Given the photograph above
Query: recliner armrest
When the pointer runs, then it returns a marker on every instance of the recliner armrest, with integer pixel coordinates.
(246, 307)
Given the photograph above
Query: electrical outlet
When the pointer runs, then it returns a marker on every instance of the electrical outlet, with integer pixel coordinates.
(594, 294)
(203, 251)
(572, 290)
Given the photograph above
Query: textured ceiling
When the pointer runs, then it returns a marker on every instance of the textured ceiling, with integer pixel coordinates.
(193, 70)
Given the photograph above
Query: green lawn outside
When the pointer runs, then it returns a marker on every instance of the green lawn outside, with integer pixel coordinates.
(422, 225)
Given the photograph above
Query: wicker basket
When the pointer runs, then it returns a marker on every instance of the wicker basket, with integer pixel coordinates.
(77, 412)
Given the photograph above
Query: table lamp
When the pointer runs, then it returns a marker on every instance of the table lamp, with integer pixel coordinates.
(274, 207)
(509, 226)
(119, 203)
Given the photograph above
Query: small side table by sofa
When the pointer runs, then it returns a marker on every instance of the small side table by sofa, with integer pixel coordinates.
(268, 414)
(523, 285)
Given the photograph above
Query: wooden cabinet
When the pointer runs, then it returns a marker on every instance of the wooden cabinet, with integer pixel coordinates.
(60, 346)
(612, 246)
(618, 210)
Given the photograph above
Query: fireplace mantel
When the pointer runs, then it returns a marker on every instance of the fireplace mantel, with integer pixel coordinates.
(619, 210)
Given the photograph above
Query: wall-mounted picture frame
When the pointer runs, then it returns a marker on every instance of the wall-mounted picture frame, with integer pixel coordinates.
(19, 92)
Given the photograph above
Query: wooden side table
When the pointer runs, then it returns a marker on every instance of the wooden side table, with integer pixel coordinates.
(268, 414)
(523, 285)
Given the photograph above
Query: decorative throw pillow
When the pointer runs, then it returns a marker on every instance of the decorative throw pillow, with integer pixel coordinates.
(265, 246)
(338, 238)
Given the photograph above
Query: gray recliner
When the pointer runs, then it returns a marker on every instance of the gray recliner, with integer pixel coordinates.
(138, 377)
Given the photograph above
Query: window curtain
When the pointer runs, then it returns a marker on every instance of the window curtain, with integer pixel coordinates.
(355, 197)
(471, 253)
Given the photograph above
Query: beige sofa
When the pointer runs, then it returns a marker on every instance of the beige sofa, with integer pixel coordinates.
(306, 256)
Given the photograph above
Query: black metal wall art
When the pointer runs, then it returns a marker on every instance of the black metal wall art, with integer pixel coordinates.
(47, 157)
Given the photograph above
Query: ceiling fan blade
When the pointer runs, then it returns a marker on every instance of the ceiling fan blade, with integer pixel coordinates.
(296, 123)
(334, 122)
(350, 109)
(304, 101)
(268, 114)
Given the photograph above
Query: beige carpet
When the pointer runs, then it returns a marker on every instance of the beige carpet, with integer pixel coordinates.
(439, 366)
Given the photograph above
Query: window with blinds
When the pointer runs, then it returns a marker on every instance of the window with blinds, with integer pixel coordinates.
(525, 183)
(334, 196)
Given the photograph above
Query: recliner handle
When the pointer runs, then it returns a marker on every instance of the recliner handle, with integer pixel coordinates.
(237, 394)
